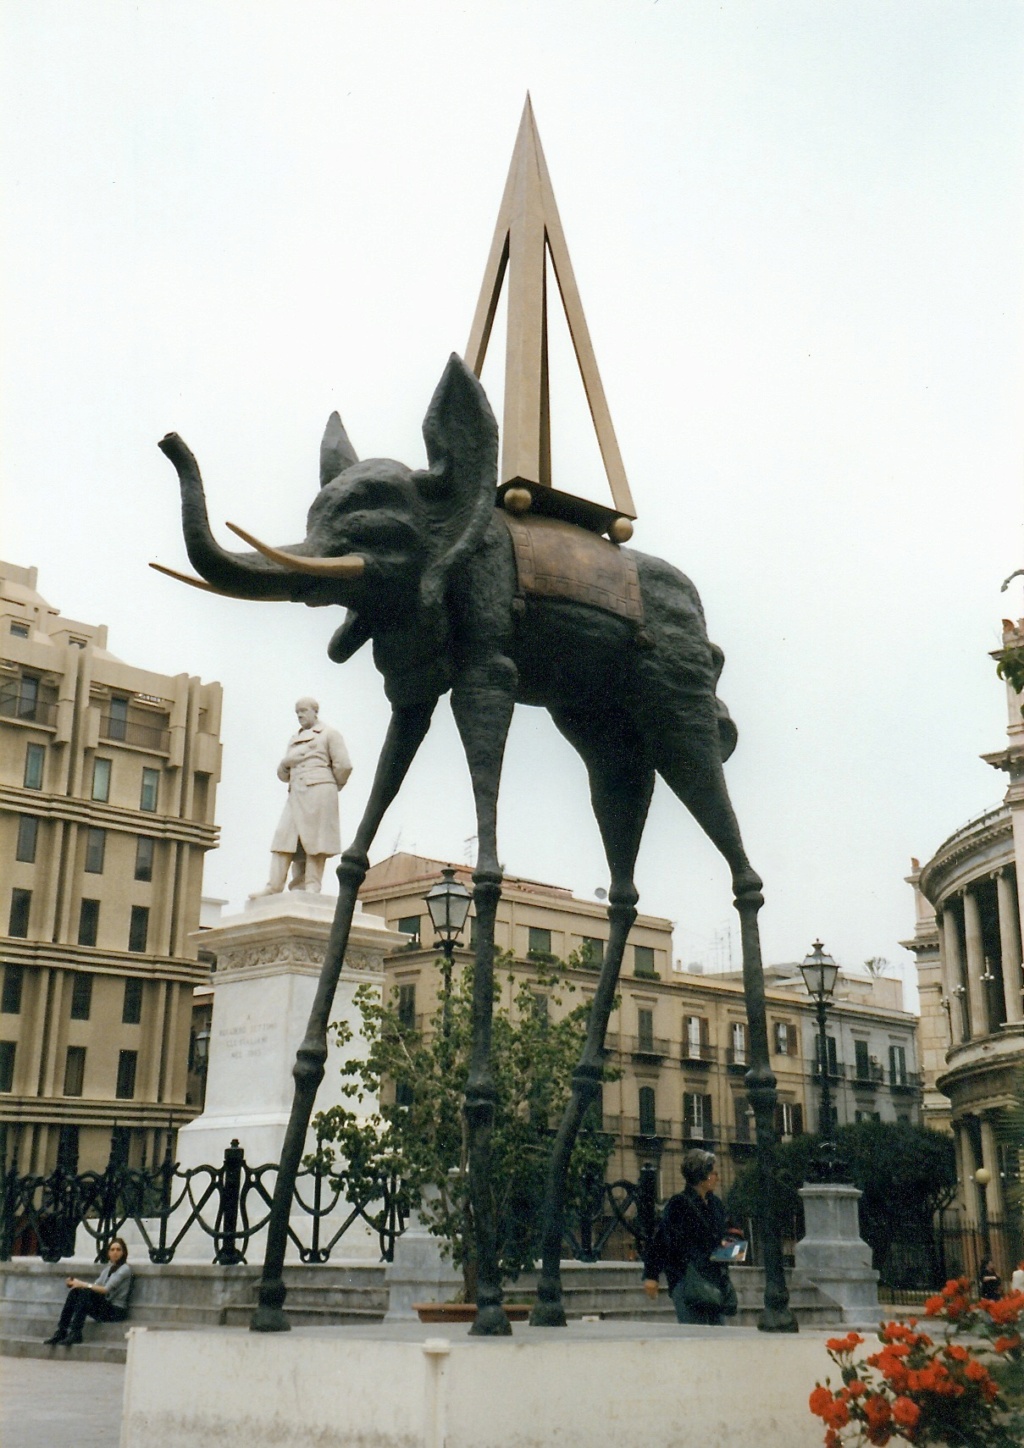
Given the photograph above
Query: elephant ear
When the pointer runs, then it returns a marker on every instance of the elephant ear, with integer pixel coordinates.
(458, 488)
(336, 452)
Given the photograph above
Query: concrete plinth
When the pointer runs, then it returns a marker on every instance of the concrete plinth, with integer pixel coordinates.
(412, 1387)
(269, 958)
(833, 1255)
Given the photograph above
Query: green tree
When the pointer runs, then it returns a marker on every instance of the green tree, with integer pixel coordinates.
(906, 1174)
(418, 1131)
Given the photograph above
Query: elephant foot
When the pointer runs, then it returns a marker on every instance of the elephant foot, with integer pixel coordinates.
(777, 1319)
(491, 1321)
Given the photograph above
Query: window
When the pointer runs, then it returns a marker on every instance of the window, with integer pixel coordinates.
(403, 1094)
(117, 722)
(35, 757)
(831, 1061)
(7, 1051)
(648, 1123)
(126, 1064)
(28, 696)
(861, 1062)
(407, 1006)
(784, 1038)
(21, 904)
(898, 1065)
(95, 849)
(138, 930)
(539, 941)
(696, 1116)
(643, 960)
(867, 1116)
(28, 833)
(74, 1071)
(410, 925)
(697, 1037)
(10, 1001)
(19, 629)
(592, 951)
(144, 857)
(738, 1037)
(474, 930)
(789, 1118)
(131, 1011)
(150, 789)
(88, 922)
(645, 1030)
(101, 780)
(120, 1143)
(67, 1150)
(745, 1125)
(81, 995)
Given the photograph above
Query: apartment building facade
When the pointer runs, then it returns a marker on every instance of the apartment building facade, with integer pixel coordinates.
(108, 776)
(678, 1040)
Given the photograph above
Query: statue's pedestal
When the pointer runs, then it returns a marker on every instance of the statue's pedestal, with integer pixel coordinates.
(268, 964)
(832, 1253)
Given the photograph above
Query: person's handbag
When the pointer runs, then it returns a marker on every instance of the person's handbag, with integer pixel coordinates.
(698, 1291)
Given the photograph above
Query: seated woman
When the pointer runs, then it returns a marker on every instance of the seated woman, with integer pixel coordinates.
(106, 1299)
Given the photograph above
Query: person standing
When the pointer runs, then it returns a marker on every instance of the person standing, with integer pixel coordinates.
(106, 1299)
(1017, 1280)
(315, 768)
(692, 1226)
(990, 1286)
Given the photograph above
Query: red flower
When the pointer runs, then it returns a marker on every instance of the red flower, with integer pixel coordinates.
(1007, 1344)
(837, 1414)
(974, 1371)
(905, 1413)
(934, 1307)
(958, 1352)
(876, 1410)
(856, 1388)
(820, 1400)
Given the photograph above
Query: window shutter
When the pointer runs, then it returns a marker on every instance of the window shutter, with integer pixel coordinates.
(708, 1117)
(798, 1120)
(779, 1125)
(705, 1031)
(791, 1048)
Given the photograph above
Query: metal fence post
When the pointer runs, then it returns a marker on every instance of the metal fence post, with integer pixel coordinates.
(646, 1205)
(230, 1192)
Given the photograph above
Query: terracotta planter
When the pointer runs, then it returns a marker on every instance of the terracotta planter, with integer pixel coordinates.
(465, 1311)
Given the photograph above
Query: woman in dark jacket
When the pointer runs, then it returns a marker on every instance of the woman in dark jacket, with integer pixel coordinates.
(692, 1226)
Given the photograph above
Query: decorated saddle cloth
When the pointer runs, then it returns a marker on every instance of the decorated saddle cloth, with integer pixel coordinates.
(559, 560)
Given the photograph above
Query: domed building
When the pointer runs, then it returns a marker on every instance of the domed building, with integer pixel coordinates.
(968, 948)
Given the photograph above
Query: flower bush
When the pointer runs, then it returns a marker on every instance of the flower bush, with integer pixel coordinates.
(917, 1390)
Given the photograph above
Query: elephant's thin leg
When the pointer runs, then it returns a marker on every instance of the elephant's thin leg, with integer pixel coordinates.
(482, 706)
(621, 783)
(404, 736)
(706, 797)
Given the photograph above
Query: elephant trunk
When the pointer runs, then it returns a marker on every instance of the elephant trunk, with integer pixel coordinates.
(244, 575)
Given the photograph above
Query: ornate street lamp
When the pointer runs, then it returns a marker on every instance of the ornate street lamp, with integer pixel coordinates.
(820, 973)
(448, 902)
(982, 1177)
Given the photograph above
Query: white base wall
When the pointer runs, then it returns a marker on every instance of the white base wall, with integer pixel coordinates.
(411, 1387)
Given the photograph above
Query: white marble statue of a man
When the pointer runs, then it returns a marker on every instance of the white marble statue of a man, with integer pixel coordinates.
(315, 767)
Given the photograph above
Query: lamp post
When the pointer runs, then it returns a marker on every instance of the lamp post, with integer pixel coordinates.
(820, 973)
(448, 903)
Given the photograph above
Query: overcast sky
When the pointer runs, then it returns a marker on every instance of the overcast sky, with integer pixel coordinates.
(796, 229)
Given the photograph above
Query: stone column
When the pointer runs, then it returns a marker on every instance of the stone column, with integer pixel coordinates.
(990, 1159)
(975, 965)
(1009, 943)
(965, 1172)
(952, 955)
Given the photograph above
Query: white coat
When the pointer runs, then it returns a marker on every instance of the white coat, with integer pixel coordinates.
(315, 768)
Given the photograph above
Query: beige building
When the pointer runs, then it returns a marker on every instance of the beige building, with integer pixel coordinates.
(678, 1039)
(968, 946)
(108, 776)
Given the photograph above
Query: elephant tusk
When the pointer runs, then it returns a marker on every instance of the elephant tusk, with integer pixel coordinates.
(192, 582)
(349, 565)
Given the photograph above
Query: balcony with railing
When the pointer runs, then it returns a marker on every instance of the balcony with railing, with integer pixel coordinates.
(649, 1134)
(905, 1082)
(868, 1077)
(836, 1070)
(650, 1049)
(737, 1060)
(699, 1054)
(741, 1140)
(116, 730)
(697, 1133)
(27, 705)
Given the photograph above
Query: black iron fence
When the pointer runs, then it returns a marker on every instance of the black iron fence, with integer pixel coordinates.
(43, 1215)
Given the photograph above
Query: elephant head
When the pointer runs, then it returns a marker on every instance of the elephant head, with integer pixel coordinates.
(381, 538)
